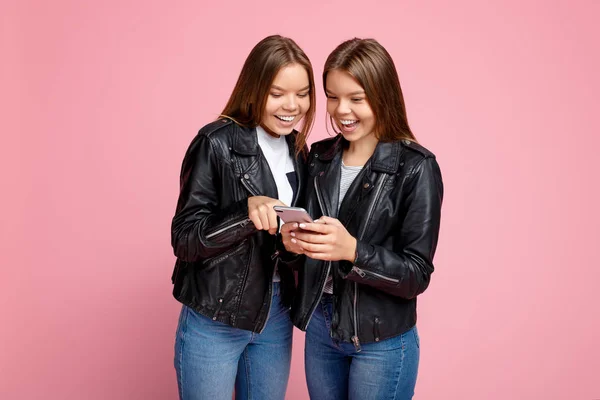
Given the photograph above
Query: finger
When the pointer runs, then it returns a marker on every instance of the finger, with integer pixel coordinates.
(264, 219)
(295, 249)
(318, 256)
(330, 221)
(288, 227)
(316, 227)
(292, 245)
(278, 202)
(255, 218)
(312, 247)
(273, 225)
(317, 238)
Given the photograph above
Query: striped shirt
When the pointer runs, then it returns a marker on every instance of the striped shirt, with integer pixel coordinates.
(348, 176)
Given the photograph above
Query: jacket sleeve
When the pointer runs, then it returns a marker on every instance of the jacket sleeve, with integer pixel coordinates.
(201, 227)
(406, 271)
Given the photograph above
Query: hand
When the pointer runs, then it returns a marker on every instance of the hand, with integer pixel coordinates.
(261, 213)
(325, 239)
(286, 237)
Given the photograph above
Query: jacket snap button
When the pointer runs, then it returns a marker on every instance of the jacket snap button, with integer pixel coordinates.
(377, 339)
(406, 142)
(312, 164)
(366, 185)
(246, 176)
(316, 156)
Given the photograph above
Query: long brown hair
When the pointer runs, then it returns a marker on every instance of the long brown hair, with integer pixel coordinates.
(372, 66)
(249, 97)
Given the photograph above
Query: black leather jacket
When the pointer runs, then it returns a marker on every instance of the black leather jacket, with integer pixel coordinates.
(225, 267)
(393, 210)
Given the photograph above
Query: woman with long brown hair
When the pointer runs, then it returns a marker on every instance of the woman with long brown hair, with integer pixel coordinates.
(377, 195)
(232, 274)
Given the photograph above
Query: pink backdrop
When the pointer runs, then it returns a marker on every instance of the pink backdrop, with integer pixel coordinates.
(99, 103)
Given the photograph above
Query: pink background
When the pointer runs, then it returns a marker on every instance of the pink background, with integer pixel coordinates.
(99, 102)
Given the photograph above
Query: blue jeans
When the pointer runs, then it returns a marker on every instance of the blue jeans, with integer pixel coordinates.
(211, 356)
(381, 370)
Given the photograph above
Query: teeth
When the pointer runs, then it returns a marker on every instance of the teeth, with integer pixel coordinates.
(286, 118)
(348, 121)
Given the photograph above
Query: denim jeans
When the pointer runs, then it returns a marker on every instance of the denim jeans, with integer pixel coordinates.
(381, 370)
(211, 356)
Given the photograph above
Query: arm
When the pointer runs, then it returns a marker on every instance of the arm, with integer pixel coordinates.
(405, 272)
(200, 228)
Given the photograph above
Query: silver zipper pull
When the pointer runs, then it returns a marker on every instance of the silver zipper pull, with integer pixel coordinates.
(356, 342)
(359, 271)
(274, 256)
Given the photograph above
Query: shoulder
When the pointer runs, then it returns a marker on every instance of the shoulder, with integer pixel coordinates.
(214, 138)
(325, 147)
(220, 129)
(417, 149)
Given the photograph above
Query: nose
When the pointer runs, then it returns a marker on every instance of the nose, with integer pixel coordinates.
(343, 107)
(291, 103)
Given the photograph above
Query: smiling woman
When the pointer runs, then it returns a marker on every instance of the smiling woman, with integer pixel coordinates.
(288, 100)
(232, 273)
(364, 269)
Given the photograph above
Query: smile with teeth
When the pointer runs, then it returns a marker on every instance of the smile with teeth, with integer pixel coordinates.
(348, 121)
(286, 118)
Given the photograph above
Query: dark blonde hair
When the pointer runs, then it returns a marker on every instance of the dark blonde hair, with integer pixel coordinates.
(249, 97)
(372, 66)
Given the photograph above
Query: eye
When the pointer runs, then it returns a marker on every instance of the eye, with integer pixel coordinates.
(302, 95)
(276, 95)
(356, 99)
(331, 97)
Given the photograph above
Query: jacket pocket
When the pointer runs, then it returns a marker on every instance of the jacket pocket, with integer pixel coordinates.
(224, 256)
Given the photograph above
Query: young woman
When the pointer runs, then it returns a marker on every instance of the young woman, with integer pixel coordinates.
(377, 195)
(233, 279)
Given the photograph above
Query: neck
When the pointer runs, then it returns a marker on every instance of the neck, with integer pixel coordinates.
(270, 132)
(359, 152)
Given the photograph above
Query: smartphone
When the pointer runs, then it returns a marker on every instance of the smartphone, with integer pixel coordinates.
(292, 214)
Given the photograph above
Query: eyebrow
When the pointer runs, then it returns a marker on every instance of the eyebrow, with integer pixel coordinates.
(283, 90)
(349, 94)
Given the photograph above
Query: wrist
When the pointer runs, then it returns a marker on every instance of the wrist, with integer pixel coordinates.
(351, 254)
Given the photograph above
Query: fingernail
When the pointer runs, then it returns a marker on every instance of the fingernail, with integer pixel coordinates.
(302, 225)
(316, 220)
(293, 240)
(295, 225)
(292, 234)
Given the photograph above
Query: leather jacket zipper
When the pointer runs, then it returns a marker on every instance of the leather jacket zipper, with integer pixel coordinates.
(270, 300)
(314, 306)
(355, 338)
(248, 187)
(363, 273)
(216, 313)
(241, 223)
